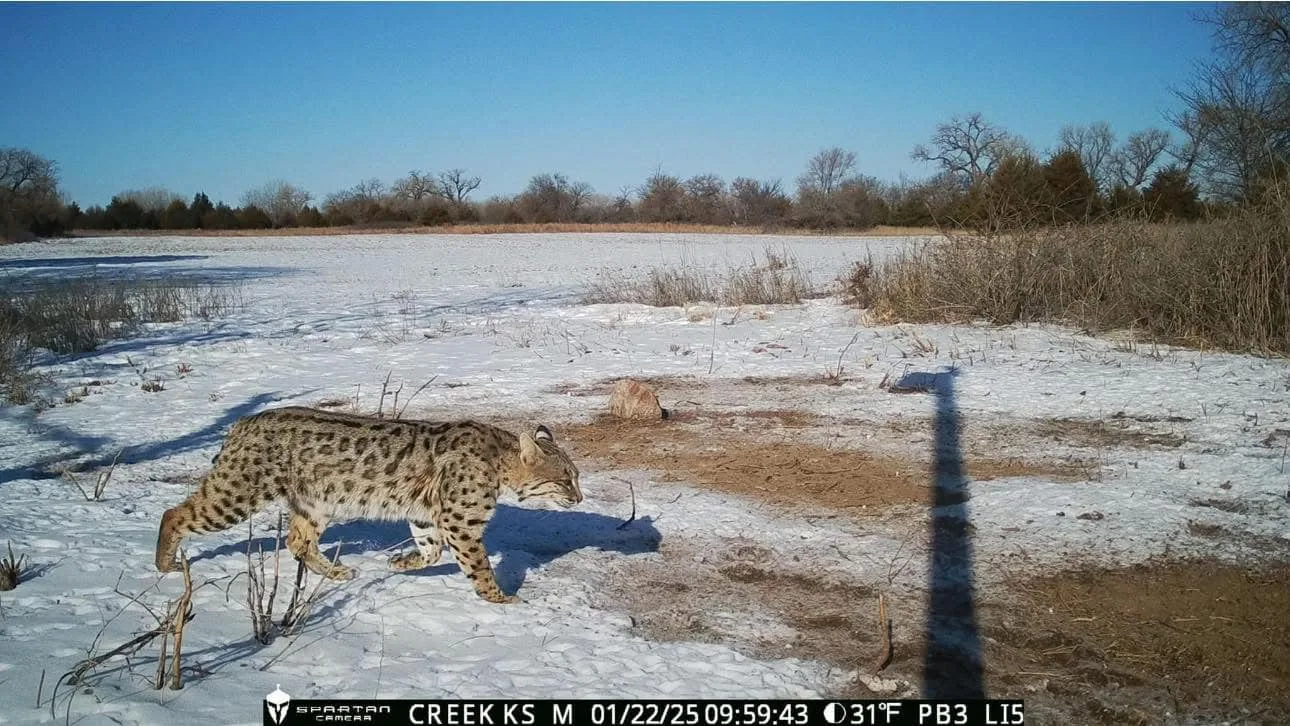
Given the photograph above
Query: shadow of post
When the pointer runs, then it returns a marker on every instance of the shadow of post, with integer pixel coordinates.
(952, 666)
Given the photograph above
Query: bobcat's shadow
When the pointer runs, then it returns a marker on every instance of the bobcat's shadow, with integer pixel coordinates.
(525, 538)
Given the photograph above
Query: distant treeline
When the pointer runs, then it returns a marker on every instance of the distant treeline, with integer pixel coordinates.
(992, 180)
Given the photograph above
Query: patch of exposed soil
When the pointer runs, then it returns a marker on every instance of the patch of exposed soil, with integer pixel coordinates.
(1223, 505)
(333, 402)
(785, 473)
(738, 597)
(1275, 548)
(1144, 645)
(1113, 433)
(1129, 646)
(731, 451)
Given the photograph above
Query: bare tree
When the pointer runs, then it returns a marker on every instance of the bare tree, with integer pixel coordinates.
(579, 193)
(1256, 37)
(1131, 164)
(24, 172)
(553, 198)
(706, 199)
(827, 170)
(455, 185)
(662, 198)
(280, 200)
(364, 202)
(968, 147)
(759, 202)
(1186, 151)
(1095, 144)
(622, 204)
(1236, 138)
(371, 189)
(28, 190)
(415, 187)
(1237, 118)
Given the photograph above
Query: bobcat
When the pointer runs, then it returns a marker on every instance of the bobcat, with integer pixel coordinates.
(443, 478)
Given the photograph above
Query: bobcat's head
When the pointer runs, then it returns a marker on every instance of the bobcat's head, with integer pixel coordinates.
(546, 472)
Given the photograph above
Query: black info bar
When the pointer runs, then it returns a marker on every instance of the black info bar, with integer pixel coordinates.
(583, 712)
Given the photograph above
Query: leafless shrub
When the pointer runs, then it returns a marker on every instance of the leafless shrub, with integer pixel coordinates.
(262, 590)
(177, 617)
(303, 601)
(856, 284)
(259, 597)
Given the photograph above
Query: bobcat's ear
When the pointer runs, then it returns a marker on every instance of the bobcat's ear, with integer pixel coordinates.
(543, 434)
(530, 454)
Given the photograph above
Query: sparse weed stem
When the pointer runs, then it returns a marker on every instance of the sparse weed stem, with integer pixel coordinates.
(101, 479)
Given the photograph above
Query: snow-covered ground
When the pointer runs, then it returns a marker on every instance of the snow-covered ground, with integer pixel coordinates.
(497, 324)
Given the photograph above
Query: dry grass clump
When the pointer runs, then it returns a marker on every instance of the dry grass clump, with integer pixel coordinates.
(78, 315)
(776, 279)
(11, 569)
(1224, 283)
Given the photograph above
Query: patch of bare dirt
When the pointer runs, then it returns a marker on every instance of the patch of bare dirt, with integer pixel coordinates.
(738, 597)
(785, 473)
(1144, 645)
(1200, 639)
(1223, 505)
(1113, 433)
(730, 451)
(1274, 548)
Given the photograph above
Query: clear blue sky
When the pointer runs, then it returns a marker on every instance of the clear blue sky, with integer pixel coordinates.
(223, 97)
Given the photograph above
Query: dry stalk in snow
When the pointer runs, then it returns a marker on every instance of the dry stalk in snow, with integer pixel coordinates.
(100, 480)
(171, 625)
(884, 629)
(258, 601)
(180, 613)
(298, 609)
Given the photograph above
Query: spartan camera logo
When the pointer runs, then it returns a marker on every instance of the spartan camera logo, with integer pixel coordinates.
(278, 701)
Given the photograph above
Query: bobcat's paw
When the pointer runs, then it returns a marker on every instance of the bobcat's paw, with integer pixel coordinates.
(408, 561)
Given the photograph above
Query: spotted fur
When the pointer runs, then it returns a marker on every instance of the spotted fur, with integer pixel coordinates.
(443, 478)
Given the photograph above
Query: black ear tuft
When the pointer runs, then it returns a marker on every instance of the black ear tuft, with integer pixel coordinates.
(543, 433)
